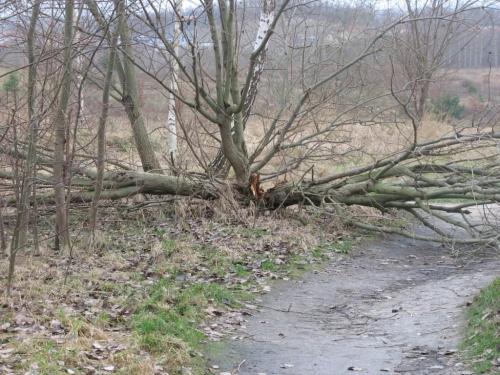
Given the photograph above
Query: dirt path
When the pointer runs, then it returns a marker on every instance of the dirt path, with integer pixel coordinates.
(394, 307)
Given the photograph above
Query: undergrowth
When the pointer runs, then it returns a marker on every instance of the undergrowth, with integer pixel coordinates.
(143, 295)
(166, 322)
(482, 335)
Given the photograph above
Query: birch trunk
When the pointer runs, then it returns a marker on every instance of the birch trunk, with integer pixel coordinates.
(79, 76)
(171, 117)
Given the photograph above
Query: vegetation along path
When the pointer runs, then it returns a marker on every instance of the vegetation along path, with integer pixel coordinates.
(394, 307)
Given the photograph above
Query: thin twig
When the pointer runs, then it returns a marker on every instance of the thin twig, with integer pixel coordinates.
(237, 371)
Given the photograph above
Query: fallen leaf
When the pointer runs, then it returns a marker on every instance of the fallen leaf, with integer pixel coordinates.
(93, 356)
(21, 320)
(6, 351)
(96, 345)
(56, 326)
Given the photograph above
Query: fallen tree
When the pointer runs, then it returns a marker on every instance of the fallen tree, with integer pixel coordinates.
(409, 181)
(334, 96)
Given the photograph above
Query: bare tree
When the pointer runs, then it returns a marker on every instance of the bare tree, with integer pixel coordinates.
(421, 47)
(61, 124)
(18, 242)
(129, 92)
(101, 134)
(314, 128)
(220, 164)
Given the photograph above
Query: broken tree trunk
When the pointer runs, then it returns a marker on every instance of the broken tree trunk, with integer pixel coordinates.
(411, 181)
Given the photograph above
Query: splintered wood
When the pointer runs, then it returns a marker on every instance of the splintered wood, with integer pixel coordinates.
(257, 191)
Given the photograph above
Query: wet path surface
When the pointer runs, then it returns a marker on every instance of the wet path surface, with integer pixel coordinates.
(394, 307)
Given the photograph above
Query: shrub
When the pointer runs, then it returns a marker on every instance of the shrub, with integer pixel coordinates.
(466, 83)
(12, 83)
(471, 89)
(447, 105)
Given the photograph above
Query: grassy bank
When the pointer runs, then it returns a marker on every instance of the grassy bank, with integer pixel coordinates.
(482, 335)
(147, 294)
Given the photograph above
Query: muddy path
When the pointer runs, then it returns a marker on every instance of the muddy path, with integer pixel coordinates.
(393, 307)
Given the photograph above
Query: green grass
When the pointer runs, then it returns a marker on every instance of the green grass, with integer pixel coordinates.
(166, 323)
(482, 334)
(297, 264)
(168, 247)
(241, 271)
(318, 252)
(161, 329)
(46, 356)
(259, 232)
(103, 320)
(343, 246)
(268, 265)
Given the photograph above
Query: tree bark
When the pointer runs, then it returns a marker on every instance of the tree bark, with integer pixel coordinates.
(61, 124)
(23, 214)
(101, 135)
(130, 101)
(171, 116)
(220, 165)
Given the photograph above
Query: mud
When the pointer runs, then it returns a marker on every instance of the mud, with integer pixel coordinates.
(394, 307)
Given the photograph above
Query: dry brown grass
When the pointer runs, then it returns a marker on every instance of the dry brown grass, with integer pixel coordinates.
(137, 366)
(372, 141)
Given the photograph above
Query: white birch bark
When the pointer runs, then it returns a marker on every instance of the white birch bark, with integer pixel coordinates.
(79, 80)
(267, 15)
(171, 116)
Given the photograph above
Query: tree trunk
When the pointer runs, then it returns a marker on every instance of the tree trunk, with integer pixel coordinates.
(101, 135)
(171, 116)
(131, 102)
(3, 239)
(60, 130)
(234, 152)
(220, 165)
(29, 172)
(415, 187)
